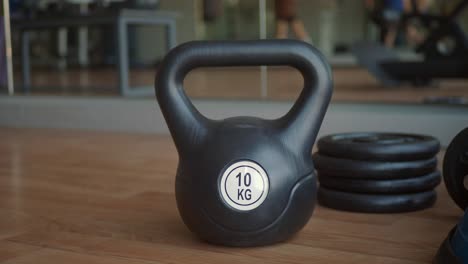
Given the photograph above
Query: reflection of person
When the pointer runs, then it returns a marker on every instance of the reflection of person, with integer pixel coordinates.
(390, 13)
(286, 16)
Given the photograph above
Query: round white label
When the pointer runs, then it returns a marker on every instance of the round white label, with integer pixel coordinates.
(244, 185)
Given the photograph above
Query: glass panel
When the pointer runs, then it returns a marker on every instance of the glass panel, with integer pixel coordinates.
(233, 19)
(73, 47)
(335, 26)
(226, 20)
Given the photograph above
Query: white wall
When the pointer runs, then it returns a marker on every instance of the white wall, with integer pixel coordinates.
(144, 115)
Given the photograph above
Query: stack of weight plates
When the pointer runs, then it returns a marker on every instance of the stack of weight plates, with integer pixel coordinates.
(377, 172)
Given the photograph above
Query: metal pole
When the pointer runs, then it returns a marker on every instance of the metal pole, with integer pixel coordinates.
(263, 33)
(262, 18)
(8, 49)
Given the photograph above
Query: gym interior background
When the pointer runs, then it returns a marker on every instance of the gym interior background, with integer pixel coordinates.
(87, 164)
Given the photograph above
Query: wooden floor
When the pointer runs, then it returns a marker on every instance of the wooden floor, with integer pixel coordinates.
(90, 197)
(352, 84)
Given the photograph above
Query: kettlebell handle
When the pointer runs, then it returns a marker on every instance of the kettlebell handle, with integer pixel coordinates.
(299, 126)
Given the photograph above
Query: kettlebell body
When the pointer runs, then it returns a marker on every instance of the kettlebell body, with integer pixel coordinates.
(245, 181)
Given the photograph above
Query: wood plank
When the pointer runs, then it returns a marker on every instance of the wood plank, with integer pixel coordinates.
(11, 250)
(75, 196)
(47, 256)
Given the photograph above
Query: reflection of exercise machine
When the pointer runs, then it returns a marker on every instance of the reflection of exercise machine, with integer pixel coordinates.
(121, 19)
(444, 51)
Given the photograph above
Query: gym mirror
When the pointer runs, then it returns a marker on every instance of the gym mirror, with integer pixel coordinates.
(383, 51)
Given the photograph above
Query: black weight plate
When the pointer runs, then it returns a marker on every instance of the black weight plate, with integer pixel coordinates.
(409, 185)
(347, 168)
(375, 203)
(379, 146)
(456, 168)
(445, 254)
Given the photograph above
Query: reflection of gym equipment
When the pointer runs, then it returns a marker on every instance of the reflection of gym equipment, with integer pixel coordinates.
(445, 52)
(121, 19)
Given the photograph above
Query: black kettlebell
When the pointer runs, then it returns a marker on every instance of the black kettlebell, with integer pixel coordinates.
(245, 181)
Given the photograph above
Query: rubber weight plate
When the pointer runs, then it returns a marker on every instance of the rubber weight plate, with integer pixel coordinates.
(456, 169)
(379, 146)
(347, 168)
(375, 203)
(410, 185)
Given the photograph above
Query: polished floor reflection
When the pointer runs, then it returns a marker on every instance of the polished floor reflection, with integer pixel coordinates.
(92, 197)
(352, 84)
